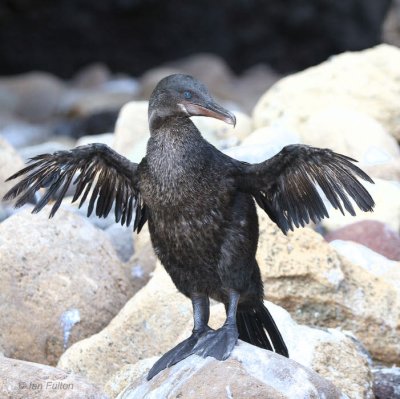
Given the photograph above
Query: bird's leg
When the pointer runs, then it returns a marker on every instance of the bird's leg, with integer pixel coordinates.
(220, 343)
(201, 314)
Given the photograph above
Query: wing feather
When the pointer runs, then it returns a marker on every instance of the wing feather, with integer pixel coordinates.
(285, 186)
(96, 172)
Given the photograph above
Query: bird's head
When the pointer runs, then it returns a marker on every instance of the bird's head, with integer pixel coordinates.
(183, 95)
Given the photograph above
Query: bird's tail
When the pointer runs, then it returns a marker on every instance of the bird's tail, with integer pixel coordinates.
(257, 327)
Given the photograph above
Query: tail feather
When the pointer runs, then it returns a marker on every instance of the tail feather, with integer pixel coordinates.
(257, 327)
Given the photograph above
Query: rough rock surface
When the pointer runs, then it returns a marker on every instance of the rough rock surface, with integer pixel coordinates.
(363, 82)
(21, 380)
(309, 278)
(375, 235)
(60, 281)
(146, 326)
(143, 329)
(250, 373)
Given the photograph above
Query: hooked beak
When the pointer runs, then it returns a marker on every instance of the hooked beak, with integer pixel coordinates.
(211, 109)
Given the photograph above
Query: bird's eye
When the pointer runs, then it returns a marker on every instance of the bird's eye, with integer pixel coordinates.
(187, 95)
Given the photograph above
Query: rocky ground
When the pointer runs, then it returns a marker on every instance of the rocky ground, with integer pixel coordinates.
(85, 306)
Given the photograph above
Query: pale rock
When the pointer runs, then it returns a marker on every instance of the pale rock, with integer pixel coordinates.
(309, 278)
(60, 282)
(354, 134)
(49, 147)
(22, 134)
(10, 163)
(374, 263)
(132, 130)
(121, 239)
(250, 373)
(105, 138)
(331, 353)
(21, 380)
(146, 326)
(262, 144)
(34, 96)
(220, 134)
(365, 82)
(386, 195)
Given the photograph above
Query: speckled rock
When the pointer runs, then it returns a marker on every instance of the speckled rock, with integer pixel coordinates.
(10, 162)
(250, 373)
(308, 277)
(387, 383)
(60, 281)
(386, 195)
(93, 75)
(365, 82)
(375, 235)
(335, 356)
(21, 380)
(147, 325)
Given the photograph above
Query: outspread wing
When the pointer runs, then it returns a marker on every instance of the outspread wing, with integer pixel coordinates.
(97, 173)
(285, 185)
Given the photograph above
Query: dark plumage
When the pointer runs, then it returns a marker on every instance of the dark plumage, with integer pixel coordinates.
(199, 204)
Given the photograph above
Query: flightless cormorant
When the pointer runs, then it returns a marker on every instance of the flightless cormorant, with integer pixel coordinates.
(200, 208)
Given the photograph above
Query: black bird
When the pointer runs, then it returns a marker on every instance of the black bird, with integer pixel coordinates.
(200, 206)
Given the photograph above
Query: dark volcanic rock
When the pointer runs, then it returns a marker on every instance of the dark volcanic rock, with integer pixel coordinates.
(387, 383)
(134, 35)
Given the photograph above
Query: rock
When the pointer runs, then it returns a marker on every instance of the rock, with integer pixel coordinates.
(60, 282)
(147, 325)
(376, 264)
(220, 133)
(158, 317)
(262, 144)
(34, 96)
(250, 372)
(361, 82)
(106, 138)
(319, 287)
(21, 134)
(387, 383)
(386, 195)
(375, 235)
(122, 241)
(95, 123)
(132, 130)
(21, 380)
(91, 76)
(10, 163)
(84, 102)
(336, 357)
(48, 147)
(122, 378)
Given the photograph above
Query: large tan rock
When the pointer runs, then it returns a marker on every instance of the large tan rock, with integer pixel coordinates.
(319, 287)
(364, 82)
(10, 162)
(146, 326)
(250, 373)
(158, 317)
(21, 380)
(60, 281)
